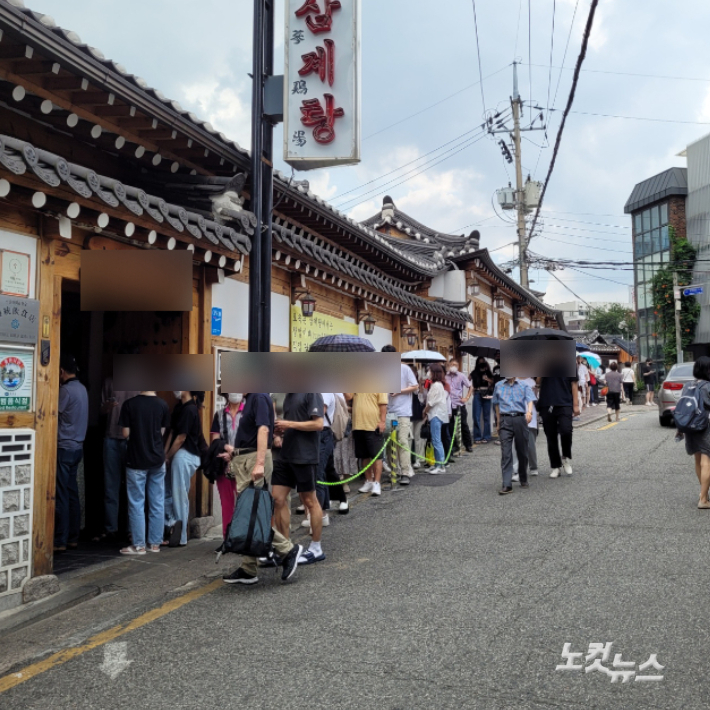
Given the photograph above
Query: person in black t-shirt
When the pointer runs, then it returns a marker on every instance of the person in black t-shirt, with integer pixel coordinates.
(558, 403)
(143, 420)
(302, 422)
(183, 455)
(649, 379)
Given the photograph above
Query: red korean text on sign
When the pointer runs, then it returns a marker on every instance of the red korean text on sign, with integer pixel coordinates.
(321, 62)
(316, 20)
(322, 120)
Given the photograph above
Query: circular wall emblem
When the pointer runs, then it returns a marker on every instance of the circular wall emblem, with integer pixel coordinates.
(12, 374)
(15, 324)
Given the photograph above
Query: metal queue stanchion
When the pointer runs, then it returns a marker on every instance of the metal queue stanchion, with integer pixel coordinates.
(394, 457)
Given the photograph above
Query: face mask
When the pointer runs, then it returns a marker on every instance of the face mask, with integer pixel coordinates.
(428, 375)
(235, 398)
(453, 368)
(177, 393)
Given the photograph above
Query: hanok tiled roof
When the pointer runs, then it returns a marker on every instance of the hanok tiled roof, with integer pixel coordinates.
(673, 181)
(18, 157)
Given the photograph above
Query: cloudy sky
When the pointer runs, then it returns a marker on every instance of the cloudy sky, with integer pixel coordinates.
(646, 71)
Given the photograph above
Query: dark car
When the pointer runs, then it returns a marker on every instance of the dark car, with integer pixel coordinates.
(671, 390)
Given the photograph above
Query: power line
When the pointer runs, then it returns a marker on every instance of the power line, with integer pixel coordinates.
(570, 100)
(559, 241)
(530, 47)
(517, 31)
(568, 288)
(478, 51)
(622, 73)
(633, 118)
(552, 50)
(437, 103)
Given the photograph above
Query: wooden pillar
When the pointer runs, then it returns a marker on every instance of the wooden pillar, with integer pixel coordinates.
(203, 493)
(50, 298)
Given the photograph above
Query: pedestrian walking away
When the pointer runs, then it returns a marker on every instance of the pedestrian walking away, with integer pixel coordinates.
(73, 420)
(460, 389)
(483, 382)
(614, 381)
(513, 401)
(143, 420)
(583, 382)
(558, 402)
(251, 462)
(114, 450)
(183, 455)
(629, 380)
(297, 466)
(399, 409)
(437, 413)
(698, 443)
(649, 380)
(224, 427)
(369, 417)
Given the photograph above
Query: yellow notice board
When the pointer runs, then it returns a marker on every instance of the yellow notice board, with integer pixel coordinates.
(305, 331)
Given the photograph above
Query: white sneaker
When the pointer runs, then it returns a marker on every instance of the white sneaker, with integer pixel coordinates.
(554, 473)
(516, 478)
(367, 487)
(301, 509)
(567, 464)
(306, 522)
(326, 520)
(344, 508)
(376, 489)
(416, 464)
(386, 466)
(533, 472)
(437, 470)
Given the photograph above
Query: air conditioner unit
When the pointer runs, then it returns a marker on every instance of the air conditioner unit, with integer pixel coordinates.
(506, 198)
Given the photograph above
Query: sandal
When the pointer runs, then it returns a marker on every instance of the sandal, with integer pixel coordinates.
(703, 506)
(153, 548)
(133, 550)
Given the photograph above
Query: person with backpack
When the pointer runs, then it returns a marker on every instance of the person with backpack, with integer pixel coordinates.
(184, 456)
(614, 382)
(224, 427)
(251, 463)
(399, 409)
(691, 416)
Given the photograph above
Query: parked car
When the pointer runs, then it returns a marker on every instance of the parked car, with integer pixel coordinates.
(671, 389)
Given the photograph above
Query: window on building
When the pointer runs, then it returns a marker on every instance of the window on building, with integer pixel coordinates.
(480, 318)
(503, 327)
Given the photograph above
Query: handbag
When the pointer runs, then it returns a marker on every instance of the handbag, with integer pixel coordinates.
(425, 431)
(604, 392)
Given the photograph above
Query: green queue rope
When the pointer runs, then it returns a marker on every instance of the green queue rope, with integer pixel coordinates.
(393, 439)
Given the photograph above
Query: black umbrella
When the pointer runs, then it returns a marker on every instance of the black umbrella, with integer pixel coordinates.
(341, 344)
(481, 346)
(542, 334)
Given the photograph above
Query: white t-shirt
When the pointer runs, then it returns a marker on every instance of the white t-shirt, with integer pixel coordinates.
(628, 375)
(329, 407)
(438, 402)
(583, 374)
(401, 404)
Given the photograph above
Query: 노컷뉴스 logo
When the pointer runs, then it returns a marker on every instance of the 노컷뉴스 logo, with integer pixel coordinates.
(12, 374)
(598, 654)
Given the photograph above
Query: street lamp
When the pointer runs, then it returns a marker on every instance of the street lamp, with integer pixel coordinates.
(431, 343)
(369, 322)
(499, 302)
(308, 303)
(411, 337)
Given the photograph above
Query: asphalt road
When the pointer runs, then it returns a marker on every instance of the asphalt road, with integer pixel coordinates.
(445, 596)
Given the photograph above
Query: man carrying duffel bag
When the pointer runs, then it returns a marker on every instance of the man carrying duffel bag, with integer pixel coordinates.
(251, 465)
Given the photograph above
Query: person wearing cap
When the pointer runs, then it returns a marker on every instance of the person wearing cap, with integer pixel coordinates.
(73, 416)
(649, 379)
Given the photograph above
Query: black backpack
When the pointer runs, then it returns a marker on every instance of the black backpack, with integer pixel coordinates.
(690, 415)
(250, 532)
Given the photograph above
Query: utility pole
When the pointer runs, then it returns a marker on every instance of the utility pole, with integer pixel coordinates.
(678, 338)
(519, 189)
(261, 180)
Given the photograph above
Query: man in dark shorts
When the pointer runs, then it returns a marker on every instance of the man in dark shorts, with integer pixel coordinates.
(297, 466)
(251, 462)
(558, 402)
(649, 379)
(369, 422)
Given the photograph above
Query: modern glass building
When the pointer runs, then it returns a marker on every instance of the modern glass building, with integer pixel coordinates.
(654, 205)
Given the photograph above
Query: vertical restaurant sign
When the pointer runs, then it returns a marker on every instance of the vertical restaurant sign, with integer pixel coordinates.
(15, 380)
(305, 331)
(322, 83)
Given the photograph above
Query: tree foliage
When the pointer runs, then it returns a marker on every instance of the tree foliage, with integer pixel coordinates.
(614, 319)
(683, 256)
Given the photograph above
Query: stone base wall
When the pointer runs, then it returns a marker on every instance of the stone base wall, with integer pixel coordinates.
(16, 482)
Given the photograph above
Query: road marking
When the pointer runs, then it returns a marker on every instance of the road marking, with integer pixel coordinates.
(61, 657)
(115, 659)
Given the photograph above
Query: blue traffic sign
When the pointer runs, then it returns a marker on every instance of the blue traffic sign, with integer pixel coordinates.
(694, 291)
(216, 321)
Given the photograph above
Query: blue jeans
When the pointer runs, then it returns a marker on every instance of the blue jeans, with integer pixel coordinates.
(177, 490)
(481, 408)
(67, 511)
(435, 425)
(114, 464)
(139, 483)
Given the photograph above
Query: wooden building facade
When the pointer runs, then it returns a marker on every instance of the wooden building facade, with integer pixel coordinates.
(93, 158)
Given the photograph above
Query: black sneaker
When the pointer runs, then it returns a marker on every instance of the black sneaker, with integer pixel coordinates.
(525, 485)
(505, 491)
(273, 561)
(240, 577)
(290, 562)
